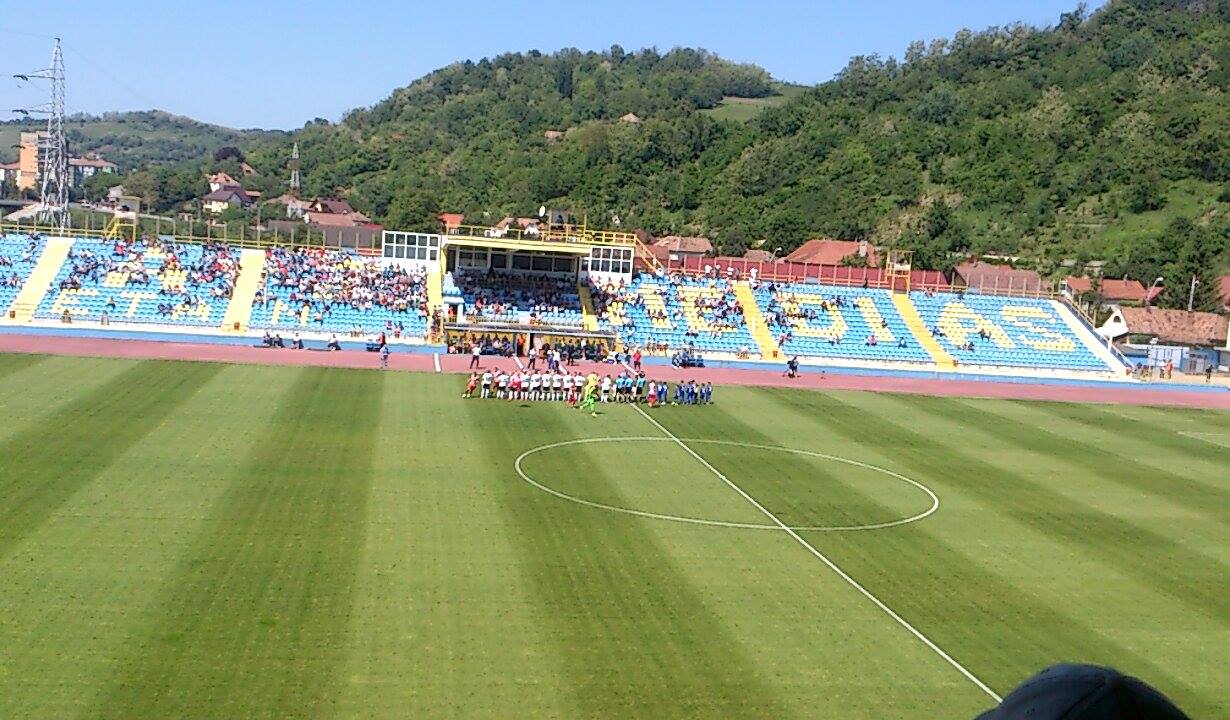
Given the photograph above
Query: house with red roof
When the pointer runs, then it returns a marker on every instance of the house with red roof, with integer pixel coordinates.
(678, 247)
(827, 251)
(989, 277)
(1112, 291)
(451, 221)
(1178, 327)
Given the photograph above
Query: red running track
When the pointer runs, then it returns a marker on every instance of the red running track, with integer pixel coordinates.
(425, 362)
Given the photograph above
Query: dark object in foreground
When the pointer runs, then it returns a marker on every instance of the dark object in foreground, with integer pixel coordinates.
(1084, 692)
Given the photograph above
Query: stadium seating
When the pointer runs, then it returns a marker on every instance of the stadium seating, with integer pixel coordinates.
(1004, 331)
(18, 256)
(517, 298)
(336, 291)
(672, 313)
(837, 322)
(153, 282)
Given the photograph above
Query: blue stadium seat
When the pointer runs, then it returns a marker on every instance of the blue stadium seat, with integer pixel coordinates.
(1005, 331)
(675, 313)
(336, 291)
(145, 283)
(19, 253)
(513, 298)
(830, 321)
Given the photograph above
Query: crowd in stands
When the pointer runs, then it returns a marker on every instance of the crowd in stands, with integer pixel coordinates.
(185, 276)
(663, 327)
(11, 260)
(327, 283)
(783, 311)
(18, 255)
(502, 296)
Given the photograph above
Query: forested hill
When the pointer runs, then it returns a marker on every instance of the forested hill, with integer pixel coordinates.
(136, 139)
(1084, 140)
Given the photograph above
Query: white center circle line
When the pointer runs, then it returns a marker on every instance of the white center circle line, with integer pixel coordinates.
(935, 500)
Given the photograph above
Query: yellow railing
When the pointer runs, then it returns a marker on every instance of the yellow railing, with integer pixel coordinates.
(253, 243)
(576, 235)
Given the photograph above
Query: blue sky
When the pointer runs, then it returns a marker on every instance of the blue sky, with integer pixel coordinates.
(279, 64)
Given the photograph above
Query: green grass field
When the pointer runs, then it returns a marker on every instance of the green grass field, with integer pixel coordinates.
(742, 109)
(201, 540)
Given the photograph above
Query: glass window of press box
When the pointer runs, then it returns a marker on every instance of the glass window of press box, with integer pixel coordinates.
(411, 246)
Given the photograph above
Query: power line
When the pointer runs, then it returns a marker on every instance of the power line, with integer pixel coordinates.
(51, 147)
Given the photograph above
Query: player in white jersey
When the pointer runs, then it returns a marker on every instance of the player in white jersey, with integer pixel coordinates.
(535, 384)
(524, 393)
(486, 385)
(606, 388)
(502, 381)
(557, 385)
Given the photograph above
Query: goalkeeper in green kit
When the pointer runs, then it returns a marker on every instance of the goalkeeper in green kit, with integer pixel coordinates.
(590, 395)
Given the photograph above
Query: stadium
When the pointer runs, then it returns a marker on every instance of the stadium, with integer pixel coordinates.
(238, 481)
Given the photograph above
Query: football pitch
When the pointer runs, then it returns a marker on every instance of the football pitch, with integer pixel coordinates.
(199, 540)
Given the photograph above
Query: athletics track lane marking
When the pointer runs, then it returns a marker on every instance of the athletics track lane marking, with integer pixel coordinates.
(824, 559)
(435, 358)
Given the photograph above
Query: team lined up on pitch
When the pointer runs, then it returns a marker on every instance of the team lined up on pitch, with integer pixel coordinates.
(584, 391)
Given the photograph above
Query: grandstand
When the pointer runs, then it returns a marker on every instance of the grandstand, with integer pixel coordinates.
(334, 291)
(520, 298)
(1015, 332)
(147, 282)
(665, 314)
(838, 322)
(18, 256)
(518, 289)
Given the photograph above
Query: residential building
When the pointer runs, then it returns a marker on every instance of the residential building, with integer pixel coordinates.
(218, 201)
(991, 278)
(1179, 327)
(1112, 291)
(26, 171)
(827, 251)
(333, 212)
(220, 180)
(677, 247)
(758, 256)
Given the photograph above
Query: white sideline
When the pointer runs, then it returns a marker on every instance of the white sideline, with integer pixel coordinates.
(822, 558)
(435, 358)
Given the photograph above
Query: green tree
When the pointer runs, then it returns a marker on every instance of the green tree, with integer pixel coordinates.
(1146, 193)
(1194, 262)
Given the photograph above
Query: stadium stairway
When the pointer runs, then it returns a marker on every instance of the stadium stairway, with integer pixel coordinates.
(239, 310)
(755, 321)
(913, 321)
(1080, 330)
(435, 290)
(55, 252)
(589, 319)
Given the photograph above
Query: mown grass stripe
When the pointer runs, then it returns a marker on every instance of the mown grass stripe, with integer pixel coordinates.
(12, 363)
(1158, 433)
(922, 577)
(1192, 579)
(635, 636)
(1182, 490)
(48, 462)
(255, 622)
